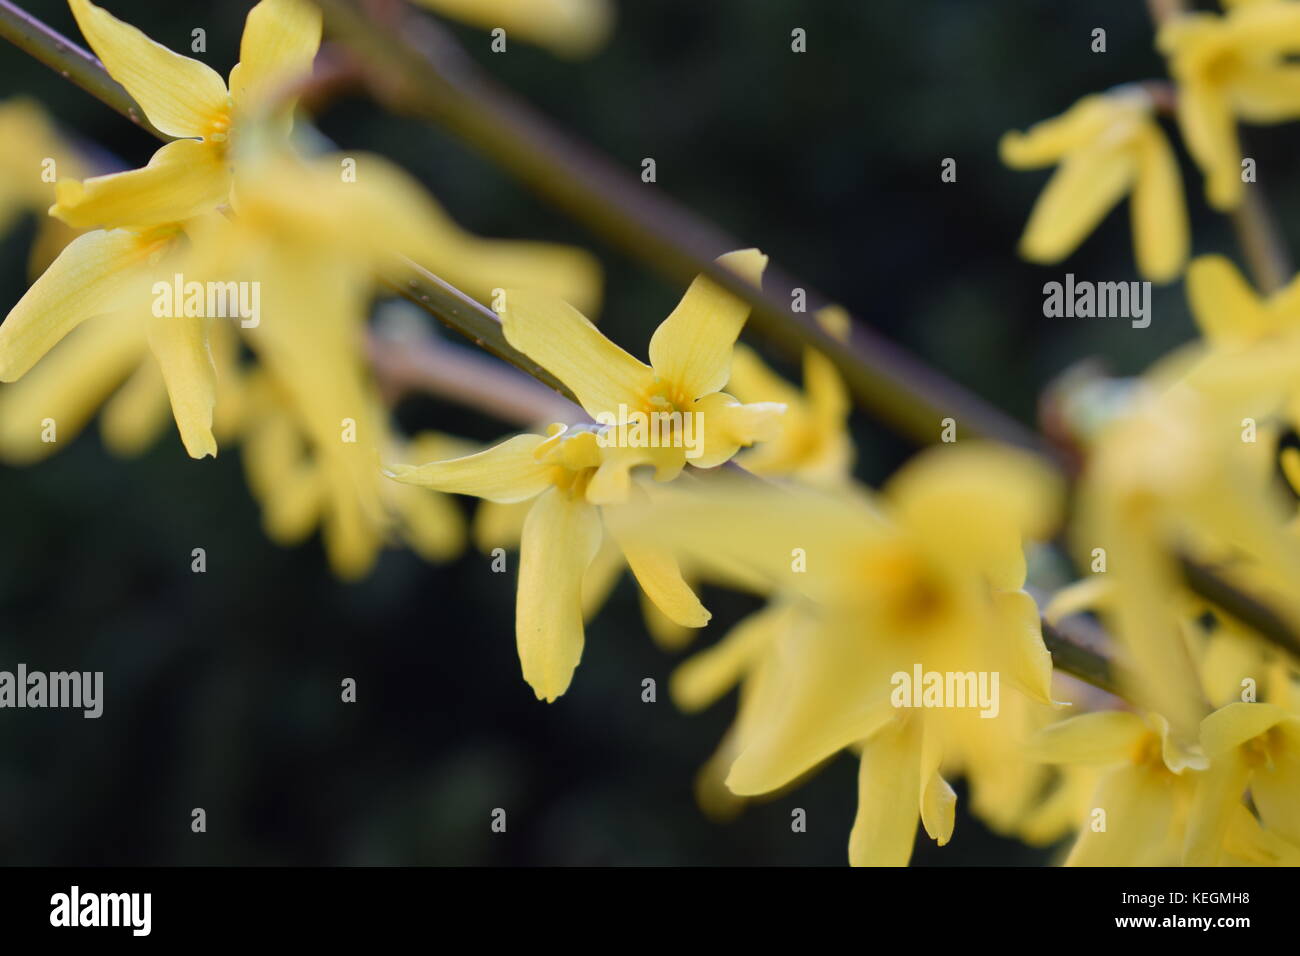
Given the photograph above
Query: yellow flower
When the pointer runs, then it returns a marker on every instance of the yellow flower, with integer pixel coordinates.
(1107, 146)
(1138, 813)
(930, 577)
(562, 535)
(1253, 747)
(571, 28)
(690, 360)
(814, 444)
(110, 274)
(188, 99)
(27, 177)
(1230, 66)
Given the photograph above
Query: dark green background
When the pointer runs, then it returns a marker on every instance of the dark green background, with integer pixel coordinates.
(222, 689)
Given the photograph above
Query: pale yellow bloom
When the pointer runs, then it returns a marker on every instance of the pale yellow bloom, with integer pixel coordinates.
(1107, 146)
(571, 28)
(929, 576)
(1235, 66)
(186, 98)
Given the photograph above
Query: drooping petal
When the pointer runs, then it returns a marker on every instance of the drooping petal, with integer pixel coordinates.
(561, 537)
(179, 95)
(1085, 187)
(504, 473)
(1138, 807)
(660, 576)
(1019, 642)
(137, 413)
(712, 672)
(884, 828)
(183, 179)
(559, 338)
(938, 800)
(1218, 793)
(691, 349)
(181, 347)
(1222, 303)
(1210, 131)
(68, 387)
(1158, 210)
(94, 275)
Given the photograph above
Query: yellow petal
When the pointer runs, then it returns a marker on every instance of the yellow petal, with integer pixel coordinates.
(602, 574)
(828, 695)
(729, 426)
(1139, 807)
(179, 95)
(1218, 793)
(1222, 302)
(183, 179)
(94, 275)
(431, 524)
(566, 27)
(1231, 726)
(1046, 142)
(137, 413)
(1275, 787)
(1085, 187)
(973, 503)
(659, 575)
(504, 473)
(68, 387)
(712, 672)
(1210, 131)
(561, 537)
(560, 339)
(1267, 93)
(691, 349)
(280, 41)
(1019, 642)
(884, 828)
(1160, 230)
(1107, 736)
(181, 348)
(938, 799)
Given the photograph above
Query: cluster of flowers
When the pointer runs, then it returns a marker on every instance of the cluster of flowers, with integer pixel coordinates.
(1199, 762)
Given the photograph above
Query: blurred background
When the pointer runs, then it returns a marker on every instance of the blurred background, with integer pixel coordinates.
(222, 690)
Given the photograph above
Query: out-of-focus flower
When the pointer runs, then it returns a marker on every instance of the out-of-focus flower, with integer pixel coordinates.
(690, 361)
(33, 158)
(814, 444)
(104, 273)
(1138, 812)
(570, 28)
(1107, 146)
(1172, 480)
(1238, 65)
(188, 99)
(562, 534)
(1255, 747)
(929, 577)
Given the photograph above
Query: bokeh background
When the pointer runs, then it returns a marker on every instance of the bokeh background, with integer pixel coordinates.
(222, 690)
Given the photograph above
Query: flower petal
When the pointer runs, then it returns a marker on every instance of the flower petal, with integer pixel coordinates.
(884, 828)
(1107, 736)
(559, 338)
(137, 413)
(1085, 187)
(561, 537)
(712, 672)
(179, 95)
(181, 347)
(1159, 213)
(691, 349)
(182, 180)
(503, 473)
(92, 276)
(659, 575)
(280, 41)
